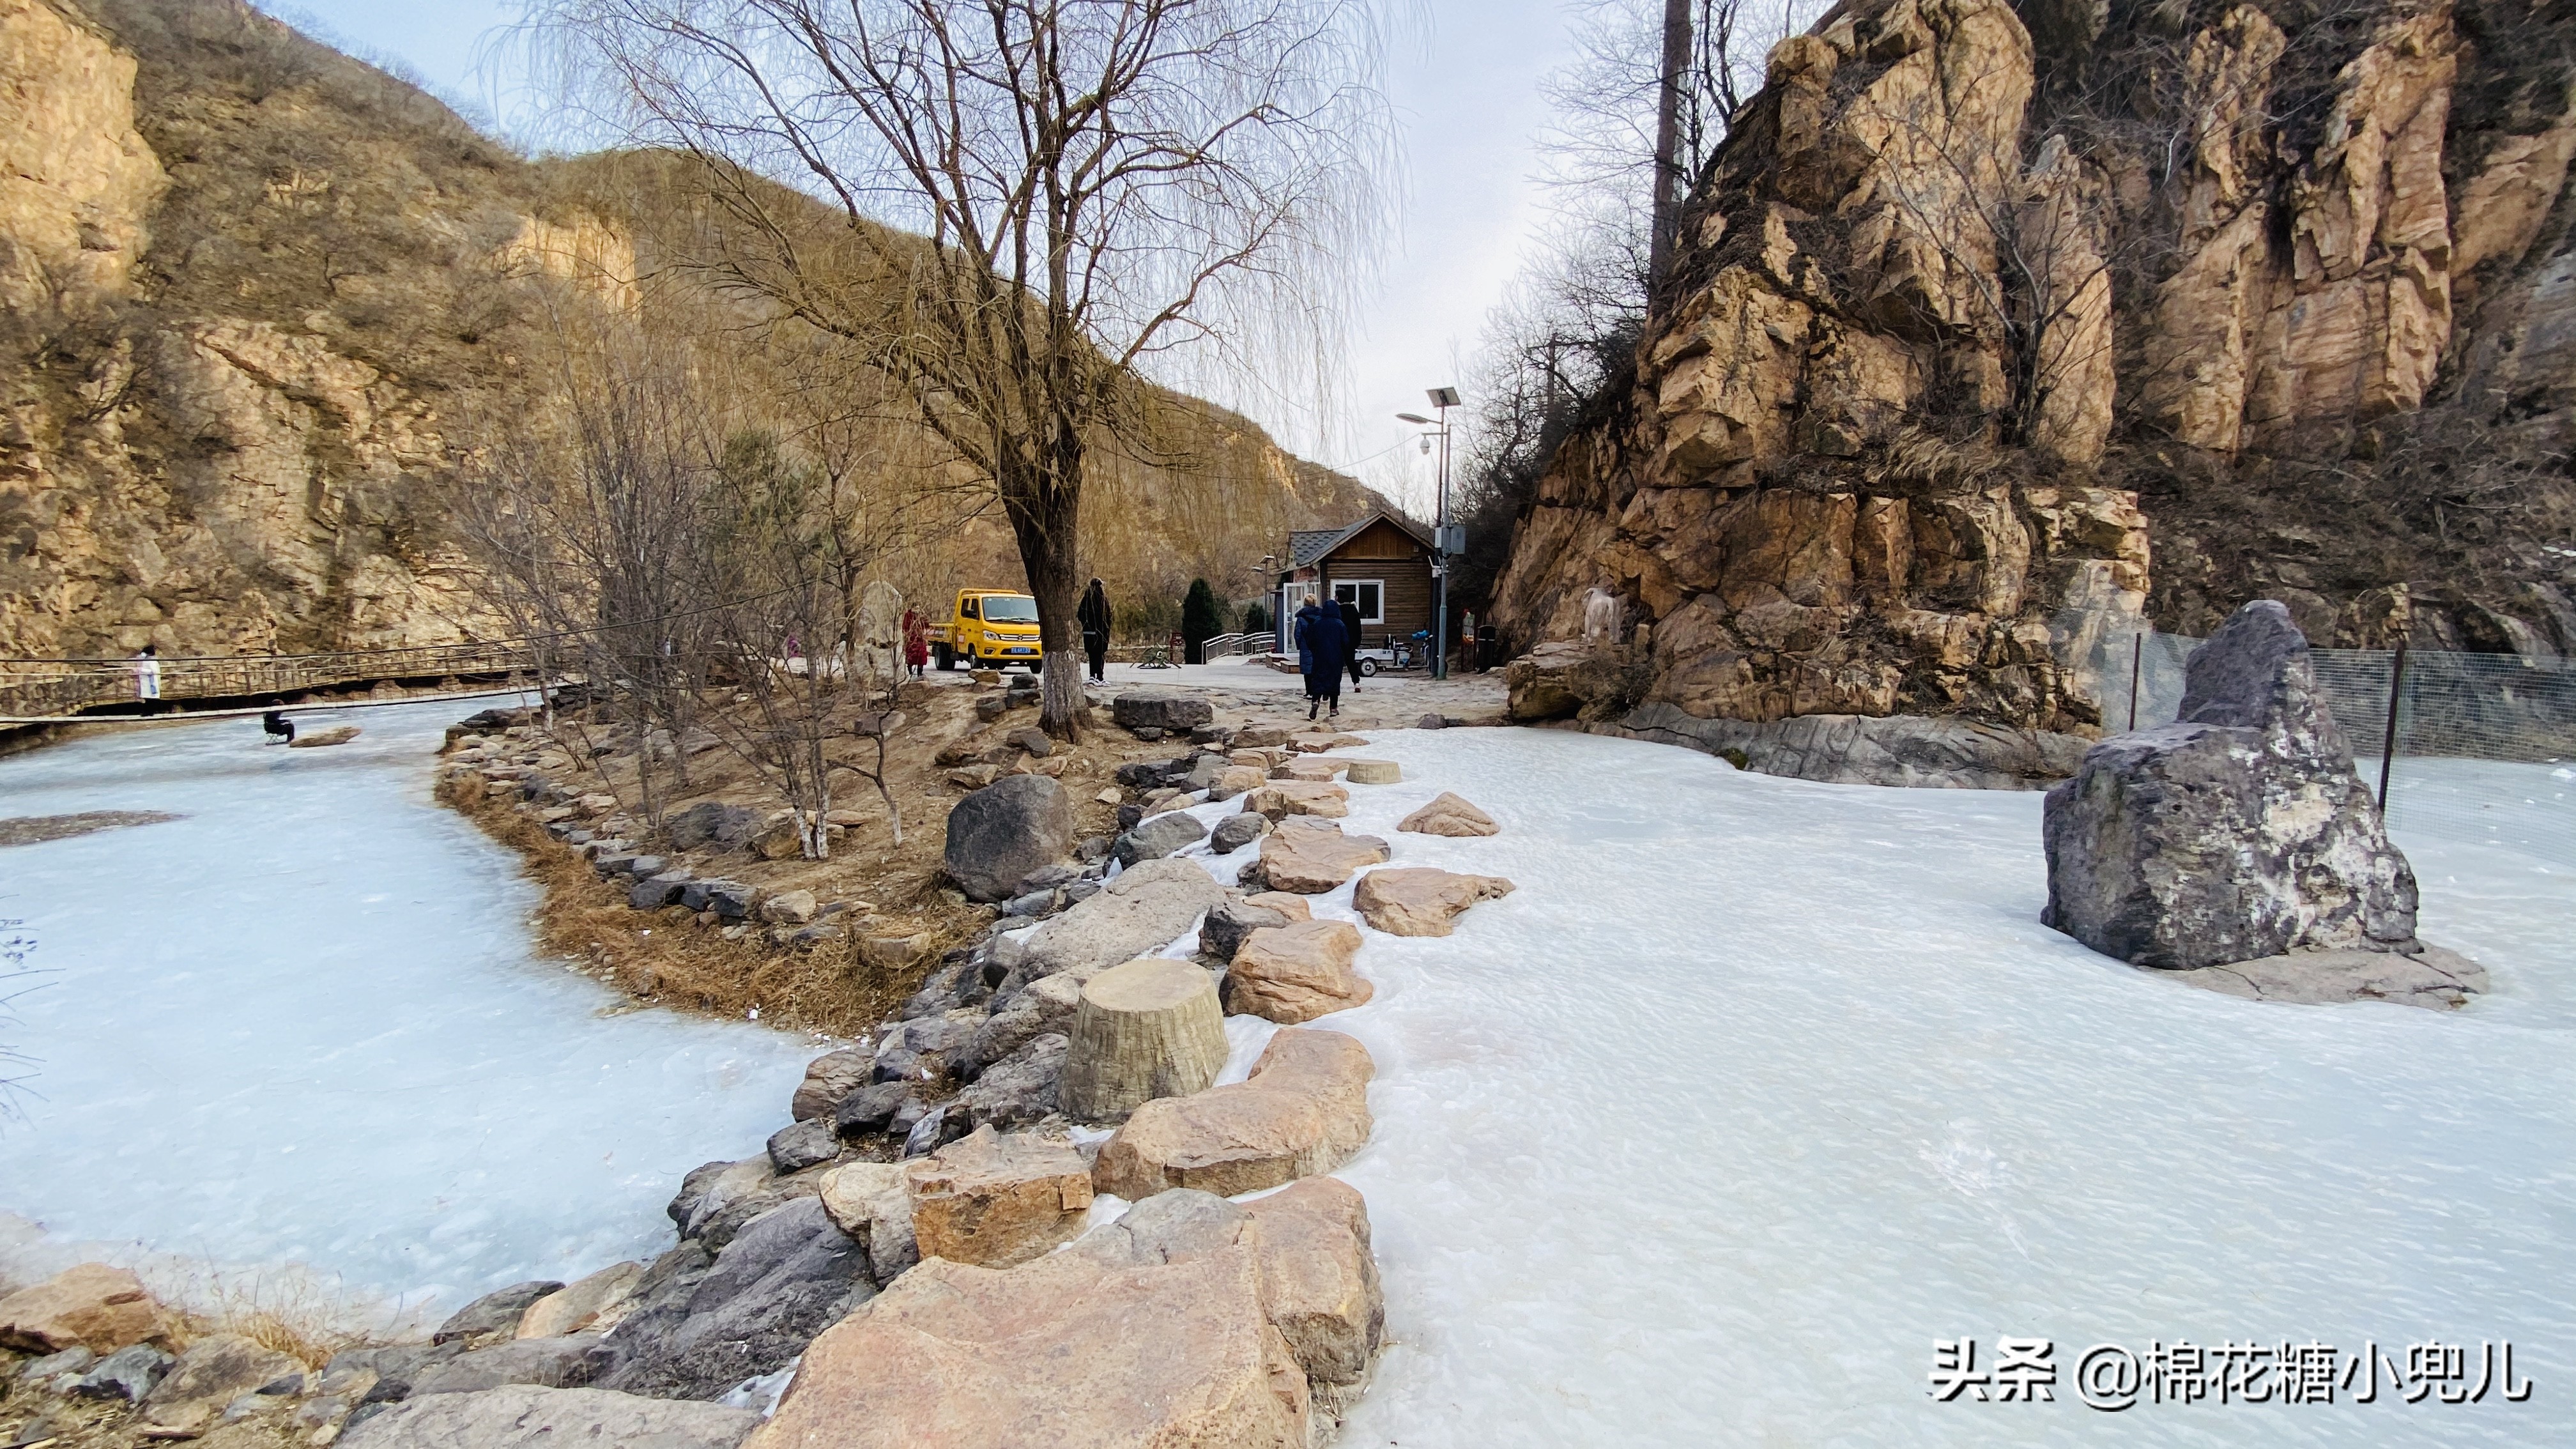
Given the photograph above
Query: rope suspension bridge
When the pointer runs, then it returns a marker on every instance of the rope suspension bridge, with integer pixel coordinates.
(90, 691)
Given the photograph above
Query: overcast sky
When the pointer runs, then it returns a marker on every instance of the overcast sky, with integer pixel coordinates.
(1466, 89)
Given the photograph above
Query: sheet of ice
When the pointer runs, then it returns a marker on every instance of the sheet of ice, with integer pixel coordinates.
(303, 1026)
(1756, 1087)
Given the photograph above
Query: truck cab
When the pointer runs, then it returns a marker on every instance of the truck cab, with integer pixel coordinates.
(990, 629)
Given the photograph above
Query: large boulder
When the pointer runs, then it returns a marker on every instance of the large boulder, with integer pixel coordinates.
(829, 1078)
(1159, 836)
(872, 1202)
(1146, 908)
(213, 1372)
(997, 1199)
(1448, 814)
(1419, 900)
(1000, 834)
(1134, 1340)
(1303, 1110)
(1296, 972)
(703, 1325)
(1319, 1278)
(524, 1417)
(561, 1362)
(591, 1304)
(1309, 860)
(90, 1306)
(1279, 799)
(1160, 709)
(710, 822)
(1021, 1089)
(2240, 831)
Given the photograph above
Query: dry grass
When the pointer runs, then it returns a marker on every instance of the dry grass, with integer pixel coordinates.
(663, 958)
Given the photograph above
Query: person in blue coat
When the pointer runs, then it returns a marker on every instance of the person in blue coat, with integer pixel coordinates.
(1322, 647)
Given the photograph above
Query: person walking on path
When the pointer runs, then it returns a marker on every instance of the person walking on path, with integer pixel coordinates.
(1351, 641)
(916, 641)
(1322, 648)
(1094, 618)
(147, 677)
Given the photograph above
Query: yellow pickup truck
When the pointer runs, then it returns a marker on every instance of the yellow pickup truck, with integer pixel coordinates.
(988, 629)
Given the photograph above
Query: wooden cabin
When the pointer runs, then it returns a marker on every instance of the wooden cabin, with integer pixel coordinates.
(1382, 564)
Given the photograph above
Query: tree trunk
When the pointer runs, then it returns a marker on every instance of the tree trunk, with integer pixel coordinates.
(1668, 106)
(1046, 515)
(1151, 1028)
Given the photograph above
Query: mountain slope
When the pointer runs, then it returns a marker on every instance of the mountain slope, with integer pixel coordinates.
(261, 300)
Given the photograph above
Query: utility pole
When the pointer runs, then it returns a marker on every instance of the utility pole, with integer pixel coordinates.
(1446, 539)
(1668, 140)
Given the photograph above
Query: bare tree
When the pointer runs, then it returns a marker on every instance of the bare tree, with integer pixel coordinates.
(585, 522)
(1100, 185)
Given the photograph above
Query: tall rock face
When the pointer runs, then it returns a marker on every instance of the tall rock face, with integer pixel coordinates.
(260, 303)
(1979, 352)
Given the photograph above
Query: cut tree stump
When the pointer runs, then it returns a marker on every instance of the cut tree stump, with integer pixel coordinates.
(1148, 1029)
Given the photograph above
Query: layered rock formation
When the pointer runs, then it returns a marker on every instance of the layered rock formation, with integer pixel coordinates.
(260, 304)
(1975, 346)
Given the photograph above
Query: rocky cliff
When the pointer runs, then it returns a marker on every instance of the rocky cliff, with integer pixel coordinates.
(257, 293)
(1998, 333)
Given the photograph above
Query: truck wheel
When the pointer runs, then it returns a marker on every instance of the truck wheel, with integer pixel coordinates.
(946, 656)
(1368, 669)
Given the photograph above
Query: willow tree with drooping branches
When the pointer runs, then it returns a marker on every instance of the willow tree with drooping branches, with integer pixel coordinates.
(1030, 204)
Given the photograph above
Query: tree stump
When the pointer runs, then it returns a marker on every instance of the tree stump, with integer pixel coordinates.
(1148, 1029)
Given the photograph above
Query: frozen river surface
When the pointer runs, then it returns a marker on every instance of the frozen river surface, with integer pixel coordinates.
(1757, 1087)
(300, 1035)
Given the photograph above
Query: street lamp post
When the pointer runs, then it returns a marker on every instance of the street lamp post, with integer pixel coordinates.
(1442, 399)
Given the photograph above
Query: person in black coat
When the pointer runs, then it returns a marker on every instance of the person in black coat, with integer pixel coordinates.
(1094, 618)
(1322, 649)
(1351, 638)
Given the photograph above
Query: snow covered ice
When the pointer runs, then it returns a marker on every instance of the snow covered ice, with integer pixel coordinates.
(300, 1038)
(1756, 1087)
(1751, 1091)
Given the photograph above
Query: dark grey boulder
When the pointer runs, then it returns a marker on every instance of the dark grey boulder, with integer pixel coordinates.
(556, 1363)
(1238, 830)
(1160, 836)
(922, 1047)
(1227, 924)
(530, 1417)
(730, 899)
(1149, 733)
(2238, 832)
(392, 1369)
(662, 890)
(1203, 773)
(1018, 1090)
(129, 1373)
(869, 1108)
(998, 835)
(1029, 1012)
(493, 1316)
(1162, 709)
(787, 1276)
(801, 1145)
(711, 822)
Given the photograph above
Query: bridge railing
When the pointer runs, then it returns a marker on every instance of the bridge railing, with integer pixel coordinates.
(32, 688)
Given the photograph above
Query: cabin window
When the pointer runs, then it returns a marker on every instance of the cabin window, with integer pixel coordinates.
(1368, 595)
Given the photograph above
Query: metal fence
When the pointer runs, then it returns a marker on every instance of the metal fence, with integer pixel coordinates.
(2485, 744)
